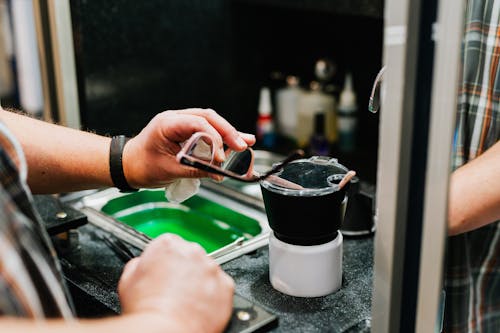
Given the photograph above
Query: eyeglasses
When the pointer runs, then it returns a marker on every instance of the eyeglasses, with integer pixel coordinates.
(199, 152)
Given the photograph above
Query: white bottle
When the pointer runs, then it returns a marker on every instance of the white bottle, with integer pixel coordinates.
(287, 104)
(347, 118)
(310, 103)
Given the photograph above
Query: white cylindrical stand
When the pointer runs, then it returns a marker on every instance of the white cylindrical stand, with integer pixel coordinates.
(305, 271)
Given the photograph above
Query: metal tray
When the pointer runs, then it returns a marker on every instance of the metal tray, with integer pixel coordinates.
(224, 227)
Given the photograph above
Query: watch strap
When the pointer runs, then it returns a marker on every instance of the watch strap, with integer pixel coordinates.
(116, 163)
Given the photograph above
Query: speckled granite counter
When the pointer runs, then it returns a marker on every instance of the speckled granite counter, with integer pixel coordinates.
(92, 270)
(346, 310)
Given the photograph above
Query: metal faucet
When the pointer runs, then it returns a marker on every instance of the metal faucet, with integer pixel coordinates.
(374, 103)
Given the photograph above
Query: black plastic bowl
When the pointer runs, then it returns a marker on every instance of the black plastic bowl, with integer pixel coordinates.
(311, 216)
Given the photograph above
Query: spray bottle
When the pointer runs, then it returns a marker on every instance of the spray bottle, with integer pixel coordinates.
(265, 124)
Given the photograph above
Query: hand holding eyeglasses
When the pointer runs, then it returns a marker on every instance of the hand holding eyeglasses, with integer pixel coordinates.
(199, 152)
(149, 159)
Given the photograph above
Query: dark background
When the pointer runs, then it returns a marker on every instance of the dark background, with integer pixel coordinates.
(137, 58)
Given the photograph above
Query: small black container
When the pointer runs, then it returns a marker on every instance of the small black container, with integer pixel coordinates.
(358, 219)
(312, 215)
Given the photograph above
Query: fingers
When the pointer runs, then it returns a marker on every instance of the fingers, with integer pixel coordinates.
(248, 138)
(234, 139)
(177, 280)
(168, 129)
(127, 273)
(178, 126)
(165, 242)
(174, 243)
(227, 281)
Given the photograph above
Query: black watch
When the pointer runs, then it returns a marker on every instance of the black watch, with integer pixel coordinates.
(116, 165)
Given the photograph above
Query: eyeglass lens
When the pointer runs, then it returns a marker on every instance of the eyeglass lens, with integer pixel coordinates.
(238, 162)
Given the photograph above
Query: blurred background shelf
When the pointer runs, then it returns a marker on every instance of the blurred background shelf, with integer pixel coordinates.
(134, 59)
(368, 8)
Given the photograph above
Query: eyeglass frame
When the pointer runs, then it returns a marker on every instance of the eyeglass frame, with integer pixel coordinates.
(250, 176)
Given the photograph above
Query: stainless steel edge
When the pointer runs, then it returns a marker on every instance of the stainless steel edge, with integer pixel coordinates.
(443, 110)
(55, 40)
(45, 55)
(233, 193)
(91, 204)
(64, 62)
(401, 29)
(228, 248)
(118, 229)
(248, 246)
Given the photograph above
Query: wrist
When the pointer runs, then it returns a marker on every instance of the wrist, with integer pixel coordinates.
(117, 168)
(129, 167)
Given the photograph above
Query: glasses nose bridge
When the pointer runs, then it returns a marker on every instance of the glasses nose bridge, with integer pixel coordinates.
(374, 103)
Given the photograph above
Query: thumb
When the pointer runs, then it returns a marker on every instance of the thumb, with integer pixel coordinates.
(127, 273)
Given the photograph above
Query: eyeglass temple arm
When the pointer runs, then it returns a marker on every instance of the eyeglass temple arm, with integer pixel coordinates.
(295, 155)
(277, 167)
(201, 166)
(283, 182)
(208, 168)
(374, 103)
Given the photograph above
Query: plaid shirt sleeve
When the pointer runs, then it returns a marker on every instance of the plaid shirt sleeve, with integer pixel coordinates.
(473, 269)
(31, 284)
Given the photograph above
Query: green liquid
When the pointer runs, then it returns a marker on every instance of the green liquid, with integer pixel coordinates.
(204, 222)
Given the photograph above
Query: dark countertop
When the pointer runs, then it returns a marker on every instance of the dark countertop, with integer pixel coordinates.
(337, 312)
(92, 271)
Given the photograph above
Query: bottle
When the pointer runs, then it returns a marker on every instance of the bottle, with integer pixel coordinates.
(347, 117)
(324, 70)
(265, 123)
(318, 144)
(309, 103)
(287, 100)
(330, 107)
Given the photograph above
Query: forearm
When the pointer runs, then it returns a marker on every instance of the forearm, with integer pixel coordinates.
(60, 159)
(474, 199)
(125, 323)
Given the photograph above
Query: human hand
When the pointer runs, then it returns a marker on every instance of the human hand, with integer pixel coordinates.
(175, 280)
(149, 158)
